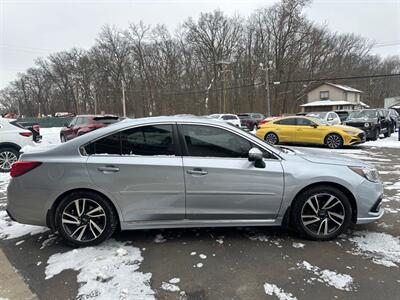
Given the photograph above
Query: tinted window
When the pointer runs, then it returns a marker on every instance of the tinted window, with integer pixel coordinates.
(210, 141)
(290, 121)
(147, 140)
(108, 145)
(304, 122)
(105, 120)
(228, 118)
(73, 122)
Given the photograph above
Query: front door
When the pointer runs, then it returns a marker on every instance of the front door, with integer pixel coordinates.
(140, 168)
(309, 132)
(220, 181)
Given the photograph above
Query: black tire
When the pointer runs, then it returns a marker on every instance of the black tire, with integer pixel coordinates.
(299, 213)
(334, 141)
(8, 155)
(62, 138)
(271, 138)
(388, 132)
(376, 134)
(109, 224)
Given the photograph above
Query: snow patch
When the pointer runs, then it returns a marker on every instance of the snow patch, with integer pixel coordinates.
(382, 248)
(159, 238)
(170, 287)
(298, 245)
(103, 272)
(273, 290)
(340, 281)
(12, 230)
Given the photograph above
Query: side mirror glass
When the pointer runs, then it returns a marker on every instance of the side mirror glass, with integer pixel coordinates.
(256, 155)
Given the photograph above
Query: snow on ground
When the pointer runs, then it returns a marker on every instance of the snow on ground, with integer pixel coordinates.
(105, 272)
(340, 281)
(273, 290)
(50, 135)
(390, 142)
(12, 230)
(382, 248)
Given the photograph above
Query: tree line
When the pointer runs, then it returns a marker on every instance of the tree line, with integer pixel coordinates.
(215, 63)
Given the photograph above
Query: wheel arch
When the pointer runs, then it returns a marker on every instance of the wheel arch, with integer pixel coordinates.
(51, 212)
(343, 189)
(10, 145)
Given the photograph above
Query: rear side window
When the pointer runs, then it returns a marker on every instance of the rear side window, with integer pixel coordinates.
(105, 120)
(146, 140)
(207, 141)
(290, 121)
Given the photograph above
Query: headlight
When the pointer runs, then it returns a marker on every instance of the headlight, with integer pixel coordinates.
(351, 132)
(368, 173)
(366, 125)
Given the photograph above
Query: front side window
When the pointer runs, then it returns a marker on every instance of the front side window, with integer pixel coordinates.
(73, 122)
(207, 141)
(304, 122)
(146, 140)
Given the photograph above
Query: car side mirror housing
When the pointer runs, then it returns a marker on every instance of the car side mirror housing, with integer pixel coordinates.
(256, 155)
(66, 125)
(314, 125)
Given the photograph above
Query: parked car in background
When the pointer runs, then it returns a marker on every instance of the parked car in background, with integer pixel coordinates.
(266, 120)
(394, 118)
(251, 120)
(373, 121)
(329, 117)
(343, 114)
(307, 130)
(228, 118)
(82, 124)
(34, 128)
(218, 175)
(13, 137)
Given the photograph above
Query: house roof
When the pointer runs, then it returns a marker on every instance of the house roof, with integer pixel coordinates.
(327, 103)
(344, 87)
(364, 104)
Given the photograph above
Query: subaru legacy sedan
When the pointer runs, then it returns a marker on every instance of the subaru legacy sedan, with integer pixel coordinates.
(172, 172)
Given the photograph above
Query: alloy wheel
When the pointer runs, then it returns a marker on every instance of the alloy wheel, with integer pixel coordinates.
(333, 141)
(84, 220)
(323, 214)
(7, 158)
(271, 138)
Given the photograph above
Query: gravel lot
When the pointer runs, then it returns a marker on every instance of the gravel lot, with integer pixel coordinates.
(224, 263)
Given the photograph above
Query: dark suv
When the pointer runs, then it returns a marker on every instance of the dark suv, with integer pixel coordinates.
(251, 120)
(373, 121)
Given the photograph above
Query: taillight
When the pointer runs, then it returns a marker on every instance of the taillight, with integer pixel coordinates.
(21, 167)
(26, 133)
(36, 128)
(262, 122)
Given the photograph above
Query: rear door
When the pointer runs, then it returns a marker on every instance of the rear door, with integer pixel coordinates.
(286, 129)
(221, 183)
(142, 168)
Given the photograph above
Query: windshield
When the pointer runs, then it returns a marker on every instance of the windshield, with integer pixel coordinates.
(106, 120)
(363, 114)
(321, 115)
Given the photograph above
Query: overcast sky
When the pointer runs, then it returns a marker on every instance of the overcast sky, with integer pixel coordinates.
(36, 28)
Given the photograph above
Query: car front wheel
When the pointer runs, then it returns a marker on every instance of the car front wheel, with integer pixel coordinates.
(321, 213)
(85, 219)
(334, 141)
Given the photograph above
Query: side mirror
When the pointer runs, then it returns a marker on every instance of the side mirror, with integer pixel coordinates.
(330, 119)
(66, 125)
(256, 155)
(314, 125)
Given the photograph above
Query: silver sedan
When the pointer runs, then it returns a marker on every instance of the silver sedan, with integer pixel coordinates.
(170, 172)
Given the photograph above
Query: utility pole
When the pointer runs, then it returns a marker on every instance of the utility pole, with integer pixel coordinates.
(267, 90)
(123, 98)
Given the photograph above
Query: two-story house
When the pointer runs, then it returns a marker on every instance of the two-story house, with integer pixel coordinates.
(330, 96)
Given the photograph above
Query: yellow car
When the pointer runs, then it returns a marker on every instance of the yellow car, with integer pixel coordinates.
(306, 130)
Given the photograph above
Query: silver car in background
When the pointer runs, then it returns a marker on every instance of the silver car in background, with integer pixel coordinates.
(172, 172)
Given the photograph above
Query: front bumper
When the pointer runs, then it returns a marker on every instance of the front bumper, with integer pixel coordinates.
(369, 202)
(355, 139)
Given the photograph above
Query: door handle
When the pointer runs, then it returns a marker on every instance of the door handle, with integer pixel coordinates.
(108, 169)
(197, 171)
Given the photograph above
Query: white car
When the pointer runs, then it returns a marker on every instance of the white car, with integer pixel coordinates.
(12, 138)
(228, 118)
(329, 117)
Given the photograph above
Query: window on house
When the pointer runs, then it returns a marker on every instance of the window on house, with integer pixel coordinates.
(324, 95)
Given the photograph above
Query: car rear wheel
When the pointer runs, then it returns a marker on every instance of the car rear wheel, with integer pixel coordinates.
(85, 219)
(334, 141)
(62, 138)
(8, 156)
(376, 134)
(321, 213)
(271, 138)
